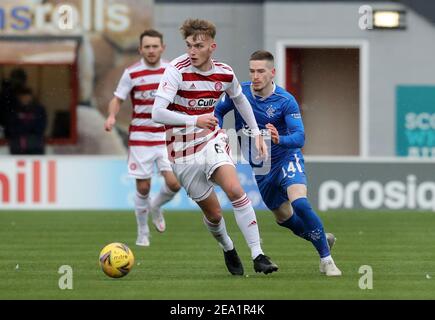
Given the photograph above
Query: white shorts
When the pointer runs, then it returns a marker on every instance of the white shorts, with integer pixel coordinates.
(195, 177)
(141, 161)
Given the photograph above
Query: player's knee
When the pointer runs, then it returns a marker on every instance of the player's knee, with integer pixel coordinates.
(296, 191)
(301, 204)
(214, 215)
(143, 189)
(282, 216)
(235, 192)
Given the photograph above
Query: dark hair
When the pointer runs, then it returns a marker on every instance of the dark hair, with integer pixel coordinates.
(196, 27)
(23, 91)
(262, 55)
(151, 33)
(19, 73)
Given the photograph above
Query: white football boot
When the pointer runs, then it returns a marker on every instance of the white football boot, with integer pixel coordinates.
(328, 267)
(158, 219)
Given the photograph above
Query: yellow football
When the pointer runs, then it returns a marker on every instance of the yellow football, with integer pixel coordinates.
(116, 260)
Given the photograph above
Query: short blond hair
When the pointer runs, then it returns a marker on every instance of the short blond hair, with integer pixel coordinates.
(198, 27)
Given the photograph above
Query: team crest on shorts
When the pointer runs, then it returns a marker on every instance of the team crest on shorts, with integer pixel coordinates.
(133, 166)
(218, 86)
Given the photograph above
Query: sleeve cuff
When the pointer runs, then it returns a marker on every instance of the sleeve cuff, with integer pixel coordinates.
(237, 94)
(255, 132)
(118, 95)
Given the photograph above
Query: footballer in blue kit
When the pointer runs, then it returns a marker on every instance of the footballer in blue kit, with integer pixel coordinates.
(283, 184)
(287, 163)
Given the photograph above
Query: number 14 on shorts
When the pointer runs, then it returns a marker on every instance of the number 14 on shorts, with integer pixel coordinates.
(292, 168)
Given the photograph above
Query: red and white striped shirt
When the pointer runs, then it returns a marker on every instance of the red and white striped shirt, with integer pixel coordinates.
(141, 82)
(194, 92)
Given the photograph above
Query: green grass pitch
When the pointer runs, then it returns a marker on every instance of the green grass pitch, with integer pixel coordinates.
(185, 262)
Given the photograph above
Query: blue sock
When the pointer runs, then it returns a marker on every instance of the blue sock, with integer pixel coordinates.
(295, 224)
(313, 231)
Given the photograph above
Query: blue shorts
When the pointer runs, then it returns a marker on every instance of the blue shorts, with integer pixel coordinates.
(273, 186)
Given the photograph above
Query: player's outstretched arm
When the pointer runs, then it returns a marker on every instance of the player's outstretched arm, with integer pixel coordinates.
(113, 109)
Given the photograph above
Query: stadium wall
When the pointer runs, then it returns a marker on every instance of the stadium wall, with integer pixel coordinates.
(101, 183)
(394, 57)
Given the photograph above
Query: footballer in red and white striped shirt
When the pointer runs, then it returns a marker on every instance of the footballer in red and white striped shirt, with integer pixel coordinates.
(197, 95)
(188, 92)
(146, 138)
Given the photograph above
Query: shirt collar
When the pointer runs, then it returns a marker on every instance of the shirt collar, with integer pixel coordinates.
(263, 98)
(151, 68)
(205, 73)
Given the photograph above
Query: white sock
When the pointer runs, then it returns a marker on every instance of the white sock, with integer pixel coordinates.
(247, 222)
(327, 258)
(164, 196)
(142, 208)
(219, 232)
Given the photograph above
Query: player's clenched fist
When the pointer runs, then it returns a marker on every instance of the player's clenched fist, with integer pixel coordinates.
(110, 122)
(273, 133)
(207, 121)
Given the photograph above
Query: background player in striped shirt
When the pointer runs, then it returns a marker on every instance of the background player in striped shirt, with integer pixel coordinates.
(198, 148)
(146, 138)
(283, 189)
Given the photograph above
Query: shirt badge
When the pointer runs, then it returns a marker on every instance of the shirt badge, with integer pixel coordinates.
(270, 111)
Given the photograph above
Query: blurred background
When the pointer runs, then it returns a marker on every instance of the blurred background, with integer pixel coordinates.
(362, 72)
